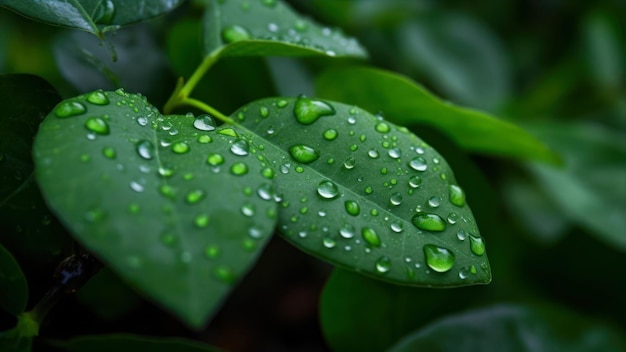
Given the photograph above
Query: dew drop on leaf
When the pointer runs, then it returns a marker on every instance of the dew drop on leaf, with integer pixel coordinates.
(201, 221)
(240, 147)
(347, 231)
(97, 125)
(109, 153)
(330, 134)
(239, 169)
(180, 147)
(97, 98)
(352, 207)
(429, 222)
(204, 123)
(382, 127)
(383, 264)
(308, 110)
(439, 259)
(303, 153)
(415, 181)
(370, 236)
(215, 159)
(224, 274)
(327, 189)
(395, 199)
(232, 34)
(457, 196)
(194, 196)
(434, 202)
(477, 246)
(329, 242)
(145, 149)
(418, 164)
(69, 109)
(349, 163)
(211, 252)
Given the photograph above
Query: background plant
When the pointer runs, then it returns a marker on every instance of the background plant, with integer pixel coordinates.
(553, 218)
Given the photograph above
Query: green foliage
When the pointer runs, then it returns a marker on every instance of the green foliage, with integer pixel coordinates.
(13, 287)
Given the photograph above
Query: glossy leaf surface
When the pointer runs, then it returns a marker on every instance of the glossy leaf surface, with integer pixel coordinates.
(127, 342)
(95, 16)
(170, 204)
(270, 28)
(365, 194)
(13, 287)
(513, 328)
(404, 101)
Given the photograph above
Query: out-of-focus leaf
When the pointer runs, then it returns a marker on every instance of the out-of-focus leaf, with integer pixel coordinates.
(460, 57)
(405, 102)
(95, 16)
(604, 43)
(508, 328)
(591, 188)
(107, 295)
(13, 287)
(132, 343)
(28, 228)
(20, 338)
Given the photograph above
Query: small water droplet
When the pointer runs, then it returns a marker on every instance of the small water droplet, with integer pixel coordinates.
(477, 245)
(308, 110)
(212, 251)
(204, 123)
(352, 207)
(329, 242)
(327, 190)
(429, 222)
(452, 218)
(303, 153)
(240, 147)
(369, 190)
(415, 181)
(347, 231)
(349, 163)
(239, 169)
(97, 125)
(434, 202)
(180, 147)
(395, 199)
(266, 191)
(168, 238)
(136, 186)
(194, 196)
(201, 221)
(461, 235)
(397, 227)
(382, 127)
(232, 34)
(457, 196)
(418, 164)
(248, 210)
(109, 153)
(383, 264)
(373, 154)
(204, 139)
(282, 103)
(439, 259)
(330, 134)
(370, 236)
(69, 109)
(215, 159)
(394, 153)
(145, 149)
(142, 120)
(97, 98)
(224, 274)
(228, 132)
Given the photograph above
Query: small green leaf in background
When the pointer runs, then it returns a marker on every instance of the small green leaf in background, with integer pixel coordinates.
(13, 286)
(178, 210)
(604, 48)
(406, 102)
(20, 338)
(509, 328)
(366, 195)
(591, 187)
(27, 226)
(270, 28)
(95, 16)
(131, 343)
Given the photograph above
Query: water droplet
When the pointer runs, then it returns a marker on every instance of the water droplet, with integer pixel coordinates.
(452, 218)
(97, 125)
(439, 259)
(352, 207)
(97, 98)
(145, 149)
(373, 154)
(109, 153)
(308, 110)
(415, 181)
(168, 239)
(212, 252)
(266, 191)
(477, 245)
(457, 196)
(434, 202)
(382, 127)
(180, 147)
(395, 199)
(282, 103)
(349, 163)
(204, 139)
(105, 12)
(418, 164)
(204, 123)
(329, 242)
(347, 231)
(142, 120)
(228, 132)
(429, 222)
(397, 227)
(370, 236)
(239, 169)
(461, 235)
(330, 134)
(303, 153)
(247, 210)
(328, 190)
(224, 274)
(240, 147)
(369, 190)
(215, 159)
(167, 191)
(394, 153)
(194, 196)
(136, 186)
(383, 264)
(235, 33)
(201, 221)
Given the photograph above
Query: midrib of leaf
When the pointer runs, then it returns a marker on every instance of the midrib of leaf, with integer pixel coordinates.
(86, 16)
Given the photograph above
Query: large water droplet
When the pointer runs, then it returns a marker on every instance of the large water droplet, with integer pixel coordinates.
(477, 245)
(204, 123)
(439, 259)
(395, 199)
(383, 264)
(145, 149)
(418, 164)
(97, 125)
(394, 153)
(97, 98)
(239, 169)
(382, 127)
(327, 190)
(303, 153)
(370, 236)
(352, 207)
(235, 33)
(347, 231)
(240, 147)
(308, 110)
(457, 196)
(429, 222)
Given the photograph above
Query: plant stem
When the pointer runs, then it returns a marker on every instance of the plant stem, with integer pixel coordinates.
(46, 303)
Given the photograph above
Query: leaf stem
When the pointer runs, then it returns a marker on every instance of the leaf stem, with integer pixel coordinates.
(207, 108)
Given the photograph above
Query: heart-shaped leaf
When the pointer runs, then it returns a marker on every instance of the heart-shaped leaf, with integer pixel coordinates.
(365, 194)
(177, 210)
(270, 28)
(404, 101)
(95, 16)
(13, 287)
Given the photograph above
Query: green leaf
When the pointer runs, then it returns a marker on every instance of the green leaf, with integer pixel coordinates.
(95, 16)
(591, 187)
(28, 228)
(127, 342)
(380, 313)
(20, 338)
(604, 43)
(365, 194)
(270, 28)
(404, 101)
(513, 328)
(167, 202)
(13, 286)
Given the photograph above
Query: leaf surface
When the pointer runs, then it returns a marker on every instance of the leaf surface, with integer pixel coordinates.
(270, 28)
(169, 203)
(365, 194)
(405, 102)
(13, 287)
(127, 342)
(95, 16)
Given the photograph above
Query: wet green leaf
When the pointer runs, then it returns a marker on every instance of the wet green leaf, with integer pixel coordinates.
(95, 16)
(513, 328)
(365, 194)
(176, 209)
(13, 287)
(404, 101)
(270, 28)
(127, 342)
